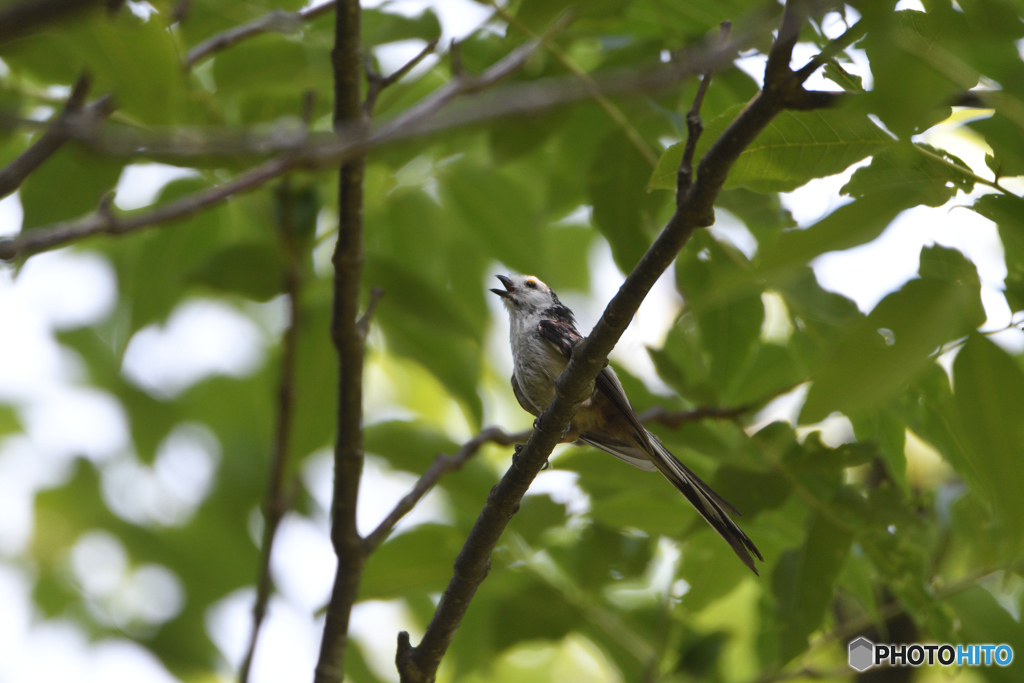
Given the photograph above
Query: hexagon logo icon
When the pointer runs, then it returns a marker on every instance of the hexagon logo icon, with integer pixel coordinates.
(862, 654)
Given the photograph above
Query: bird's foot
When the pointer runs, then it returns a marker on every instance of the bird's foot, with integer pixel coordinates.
(536, 426)
(515, 458)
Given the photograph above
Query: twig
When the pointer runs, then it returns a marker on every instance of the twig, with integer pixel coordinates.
(694, 124)
(364, 320)
(377, 83)
(442, 464)
(613, 111)
(850, 36)
(354, 141)
(276, 502)
(349, 341)
(419, 664)
(106, 222)
(20, 18)
(54, 137)
(277, 20)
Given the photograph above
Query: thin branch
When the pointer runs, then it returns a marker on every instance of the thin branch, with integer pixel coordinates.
(301, 150)
(616, 115)
(442, 465)
(350, 342)
(105, 222)
(694, 124)
(850, 36)
(276, 501)
(419, 664)
(378, 83)
(277, 21)
(364, 320)
(20, 18)
(54, 137)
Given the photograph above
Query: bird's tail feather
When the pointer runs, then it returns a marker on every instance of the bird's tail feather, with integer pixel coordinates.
(711, 506)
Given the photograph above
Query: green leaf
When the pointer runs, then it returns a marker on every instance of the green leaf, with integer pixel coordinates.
(416, 562)
(794, 148)
(615, 185)
(895, 342)
(498, 209)
(926, 175)
(253, 270)
(69, 184)
(983, 620)
(911, 90)
(1008, 213)
(380, 28)
(841, 77)
(989, 398)
(803, 582)
(408, 446)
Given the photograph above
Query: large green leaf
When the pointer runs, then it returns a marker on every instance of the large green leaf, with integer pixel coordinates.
(71, 183)
(794, 148)
(616, 190)
(803, 582)
(897, 339)
(416, 562)
(988, 389)
(1008, 213)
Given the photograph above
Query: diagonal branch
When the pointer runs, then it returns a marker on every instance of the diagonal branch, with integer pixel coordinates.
(419, 664)
(377, 82)
(278, 21)
(55, 135)
(444, 463)
(694, 124)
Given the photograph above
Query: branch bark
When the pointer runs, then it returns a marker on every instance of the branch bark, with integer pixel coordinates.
(349, 340)
(696, 210)
(278, 21)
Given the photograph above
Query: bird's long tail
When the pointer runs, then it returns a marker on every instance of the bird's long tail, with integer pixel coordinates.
(709, 504)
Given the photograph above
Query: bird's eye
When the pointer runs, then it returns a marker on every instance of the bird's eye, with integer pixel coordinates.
(531, 284)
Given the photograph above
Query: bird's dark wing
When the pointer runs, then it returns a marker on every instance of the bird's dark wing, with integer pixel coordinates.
(562, 334)
(521, 397)
(609, 385)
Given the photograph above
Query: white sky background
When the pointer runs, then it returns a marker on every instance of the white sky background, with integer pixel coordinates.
(65, 419)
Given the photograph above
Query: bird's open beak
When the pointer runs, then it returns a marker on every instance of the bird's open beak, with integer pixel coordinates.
(509, 287)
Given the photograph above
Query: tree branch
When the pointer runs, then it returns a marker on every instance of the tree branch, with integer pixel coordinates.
(694, 124)
(278, 21)
(349, 340)
(54, 137)
(614, 113)
(419, 664)
(276, 500)
(444, 463)
(377, 82)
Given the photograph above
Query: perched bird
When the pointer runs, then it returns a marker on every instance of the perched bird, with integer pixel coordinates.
(543, 334)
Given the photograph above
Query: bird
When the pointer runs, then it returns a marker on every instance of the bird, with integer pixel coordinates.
(543, 334)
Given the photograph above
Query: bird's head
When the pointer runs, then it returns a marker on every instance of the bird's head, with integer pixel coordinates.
(524, 294)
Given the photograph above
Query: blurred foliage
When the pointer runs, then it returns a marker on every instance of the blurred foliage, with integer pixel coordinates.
(922, 501)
